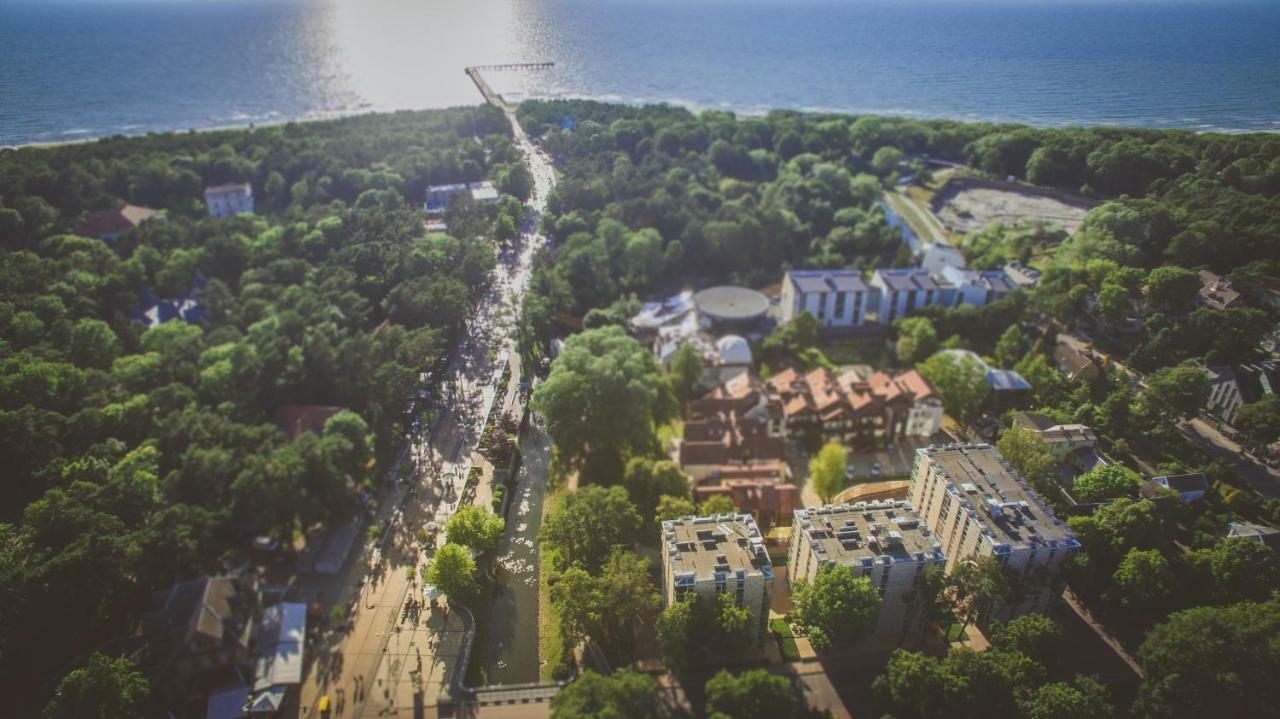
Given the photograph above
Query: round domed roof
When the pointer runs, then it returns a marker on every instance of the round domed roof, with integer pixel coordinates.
(733, 350)
(731, 304)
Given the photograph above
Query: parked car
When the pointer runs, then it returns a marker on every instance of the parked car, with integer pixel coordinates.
(875, 469)
(850, 470)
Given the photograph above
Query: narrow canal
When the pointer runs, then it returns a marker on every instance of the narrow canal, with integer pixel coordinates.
(511, 651)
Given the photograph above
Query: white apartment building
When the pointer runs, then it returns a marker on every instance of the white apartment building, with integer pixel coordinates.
(229, 200)
(978, 507)
(904, 291)
(720, 554)
(885, 541)
(838, 298)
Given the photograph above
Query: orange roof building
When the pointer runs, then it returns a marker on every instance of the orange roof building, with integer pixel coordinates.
(859, 407)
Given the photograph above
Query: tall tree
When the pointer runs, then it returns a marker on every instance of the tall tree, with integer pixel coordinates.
(917, 339)
(1143, 580)
(586, 527)
(826, 471)
(753, 694)
(474, 527)
(607, 608)
(105, 688)
(602, 400)
(685, 369)
(974, 587)
(1212, 661)
(1026, 453)
(962, 383)
(453, 571)
(836, 608)
(1176, 391)
(625, 694)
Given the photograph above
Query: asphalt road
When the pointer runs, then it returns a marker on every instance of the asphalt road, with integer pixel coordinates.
(402, 661)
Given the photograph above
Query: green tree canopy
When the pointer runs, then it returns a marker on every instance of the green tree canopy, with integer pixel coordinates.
(453, 571)
(917, 339)
(837, 608)
(1143, 580)
(1085, 698)
(1172, 289)
(1106, 482)
(648, 480)
(685, 369)
(1259, 422)
(696, 632)
(826, 470)
(717, 504)
(1212, 661)
(625, 694)
(753, 694)
(586, 527)
(670, 507)
(1026, 452)
(961, 381)
(602, 400)
(105, 688)
(1176, 391)
(474, 527)
(607, 608)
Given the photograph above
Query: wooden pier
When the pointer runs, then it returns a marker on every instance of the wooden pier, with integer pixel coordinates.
(490, 96)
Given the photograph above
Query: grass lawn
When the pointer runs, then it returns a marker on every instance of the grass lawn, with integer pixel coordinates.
(786, 640)
(670, 431)
(550, 646)
(874, 352)
(954, 631)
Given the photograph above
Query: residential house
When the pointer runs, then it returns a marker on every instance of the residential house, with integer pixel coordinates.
(1060, 439)
(202, 628)
(229, 200)
(837, 298)
(734, 426)
(1009, 390)
(904, 291)
(1188, 487)
(1269, 536)
(935, 256)
(1216, 292)
(974, 287)
(108, 225)
(858, 408)
(760, 490)
(437, 197)
(886, 542)
(978, 506)
(720, 554)
(1231, 387)
(1076, 364)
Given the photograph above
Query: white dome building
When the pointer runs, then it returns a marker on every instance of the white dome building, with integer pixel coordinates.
(733, 350)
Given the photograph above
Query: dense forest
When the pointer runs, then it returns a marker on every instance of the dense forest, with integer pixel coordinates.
(136, 456)
(652, 197)
(656, 198)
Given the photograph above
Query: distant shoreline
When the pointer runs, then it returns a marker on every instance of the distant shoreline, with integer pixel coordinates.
(748, 111)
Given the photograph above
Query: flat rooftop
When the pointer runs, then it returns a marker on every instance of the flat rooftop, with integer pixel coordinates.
(699, 547)
(731, 303)
(1001, 501)
(864, 532)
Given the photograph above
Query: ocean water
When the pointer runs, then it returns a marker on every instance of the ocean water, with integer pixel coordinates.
(77, 69)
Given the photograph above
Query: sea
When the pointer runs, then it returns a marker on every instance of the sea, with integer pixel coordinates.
(81, 69)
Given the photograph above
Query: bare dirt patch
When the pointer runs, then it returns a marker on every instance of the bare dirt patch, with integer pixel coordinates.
(972, 205)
